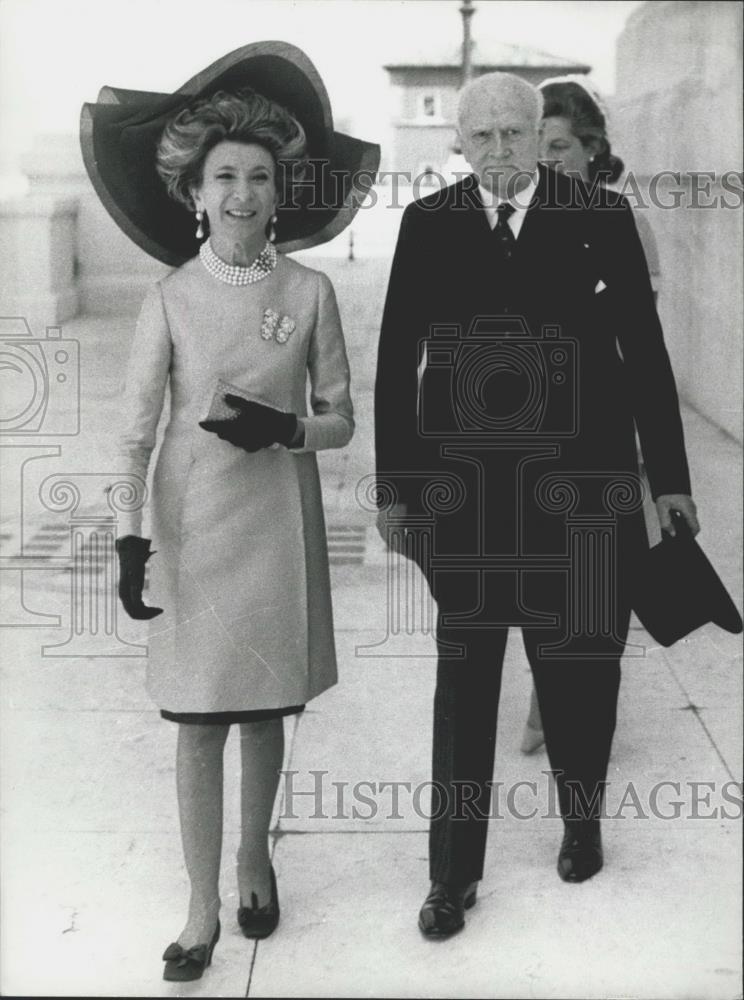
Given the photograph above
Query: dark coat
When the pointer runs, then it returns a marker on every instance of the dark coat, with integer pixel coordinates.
(577, 275)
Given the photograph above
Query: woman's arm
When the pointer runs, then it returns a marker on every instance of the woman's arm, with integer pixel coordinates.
(332, 422)
(144, 392)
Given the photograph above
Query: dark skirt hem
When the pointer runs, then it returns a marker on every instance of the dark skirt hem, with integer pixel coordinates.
(227, 718)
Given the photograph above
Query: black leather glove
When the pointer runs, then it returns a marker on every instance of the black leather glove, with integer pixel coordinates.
(254, 426)
(133, 554)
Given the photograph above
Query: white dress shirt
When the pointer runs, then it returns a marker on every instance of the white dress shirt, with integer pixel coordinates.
(520, 201)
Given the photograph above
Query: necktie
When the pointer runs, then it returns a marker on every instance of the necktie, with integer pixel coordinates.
(502, 232)
(504, 242)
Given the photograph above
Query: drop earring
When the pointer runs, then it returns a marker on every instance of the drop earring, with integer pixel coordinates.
(272, 231)
(199, 227)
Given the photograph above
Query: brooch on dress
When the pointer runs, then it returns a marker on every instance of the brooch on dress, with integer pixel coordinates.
(274, 326)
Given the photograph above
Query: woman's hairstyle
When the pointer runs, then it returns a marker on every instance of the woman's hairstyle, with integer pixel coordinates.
(572, 101)
(243, 116)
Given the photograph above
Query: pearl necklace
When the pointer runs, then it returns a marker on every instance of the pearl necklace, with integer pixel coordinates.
(233, 274)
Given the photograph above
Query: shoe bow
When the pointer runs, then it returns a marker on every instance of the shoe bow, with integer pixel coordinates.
(175, 953)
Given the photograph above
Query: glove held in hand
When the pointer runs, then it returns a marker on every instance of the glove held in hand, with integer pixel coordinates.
(133, 554)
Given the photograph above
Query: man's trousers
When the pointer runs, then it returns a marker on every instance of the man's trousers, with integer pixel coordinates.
(577, 698)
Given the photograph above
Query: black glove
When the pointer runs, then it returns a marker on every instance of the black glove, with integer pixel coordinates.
(254, 426)
(133, 554)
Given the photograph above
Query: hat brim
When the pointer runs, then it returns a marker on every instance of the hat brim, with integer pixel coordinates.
(677, 590)
(119, 135)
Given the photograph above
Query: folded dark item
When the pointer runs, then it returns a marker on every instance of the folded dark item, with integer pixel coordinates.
(133, 553)
(677, 590)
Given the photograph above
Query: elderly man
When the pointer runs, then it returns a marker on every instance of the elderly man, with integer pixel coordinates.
(519, 345)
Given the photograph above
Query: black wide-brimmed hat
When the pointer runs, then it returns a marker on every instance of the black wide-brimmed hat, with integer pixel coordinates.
(677, 590)
(120, 133)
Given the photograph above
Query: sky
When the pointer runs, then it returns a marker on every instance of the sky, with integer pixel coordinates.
(56, 54)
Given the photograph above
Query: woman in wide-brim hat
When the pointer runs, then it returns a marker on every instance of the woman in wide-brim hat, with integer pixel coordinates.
(245, 154)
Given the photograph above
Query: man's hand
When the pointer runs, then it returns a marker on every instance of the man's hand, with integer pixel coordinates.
(668, 502)
(392, 516)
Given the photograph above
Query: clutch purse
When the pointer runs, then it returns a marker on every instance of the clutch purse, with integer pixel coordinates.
(220, 409)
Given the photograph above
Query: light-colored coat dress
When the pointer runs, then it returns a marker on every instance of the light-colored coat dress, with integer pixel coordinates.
(241, 567)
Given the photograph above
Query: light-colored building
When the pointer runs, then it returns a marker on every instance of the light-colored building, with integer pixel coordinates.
(676, 122)
(425, 81)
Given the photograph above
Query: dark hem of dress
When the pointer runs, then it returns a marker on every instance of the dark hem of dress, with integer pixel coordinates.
(226, 718)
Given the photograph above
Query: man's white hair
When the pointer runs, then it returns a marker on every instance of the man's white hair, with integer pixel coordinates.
(500, 83)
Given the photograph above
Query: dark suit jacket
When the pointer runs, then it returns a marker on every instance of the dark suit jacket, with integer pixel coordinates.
(616, 371)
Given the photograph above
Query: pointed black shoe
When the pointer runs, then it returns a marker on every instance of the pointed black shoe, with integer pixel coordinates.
(184, 964)
(260, 921)
(443, 912)
(580, 855)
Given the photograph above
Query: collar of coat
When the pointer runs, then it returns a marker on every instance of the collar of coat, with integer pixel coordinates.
(554, 190)
(558, 200)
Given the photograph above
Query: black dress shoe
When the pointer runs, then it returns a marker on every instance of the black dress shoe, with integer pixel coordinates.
(184, 964)
(580, 855)
(260, 921)
(443, 912)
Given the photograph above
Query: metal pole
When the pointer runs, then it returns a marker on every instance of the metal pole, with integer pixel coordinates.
(467, 10)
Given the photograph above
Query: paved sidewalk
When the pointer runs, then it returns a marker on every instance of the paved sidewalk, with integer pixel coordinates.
(93, 884)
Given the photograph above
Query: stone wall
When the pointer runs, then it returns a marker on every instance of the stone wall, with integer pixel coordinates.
(678, 109)
(37, 259)
(60, 251)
